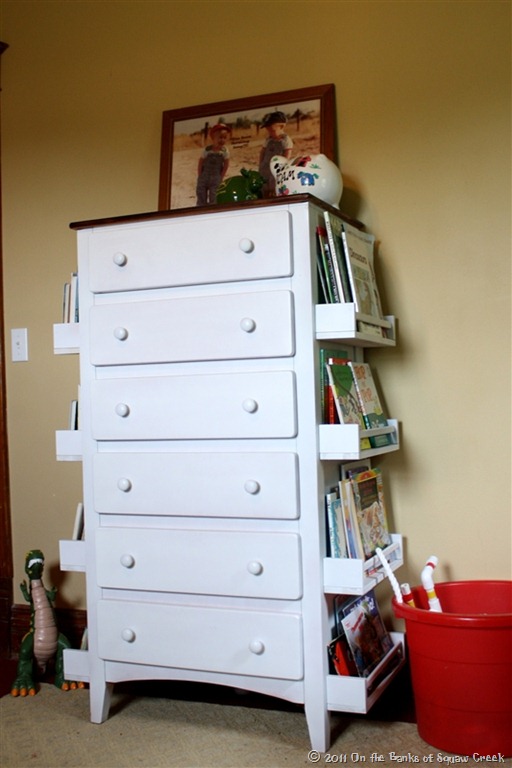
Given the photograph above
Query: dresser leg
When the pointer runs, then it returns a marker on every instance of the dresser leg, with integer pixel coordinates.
(319, 727)
(100, 698)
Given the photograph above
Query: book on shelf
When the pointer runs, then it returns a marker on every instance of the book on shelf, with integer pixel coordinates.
(70, 300)
(358, 248)
(342, 395)
(334, 230)
(340, 656)
(78, 526)
(349, 468)
(338, 356)
(343, 387)
(370, 403)
(353, 539)
(368, 640)
(325, 268)
(335, 524)
(370, 510)
(73, 415)
(323, 292)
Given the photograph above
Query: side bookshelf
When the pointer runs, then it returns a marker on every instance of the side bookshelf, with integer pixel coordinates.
(349, 576)
(340, 322)
(72, 555)
(66, 338)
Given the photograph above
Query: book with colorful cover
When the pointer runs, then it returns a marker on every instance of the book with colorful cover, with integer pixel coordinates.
(369, 401)
(367, 637)
(324, 296)
(346, 399)
(341, 657)
(337, 543)
(325, 259)
(353, 539)
(340, 356)
(370, 510)
(359, 247)
(334, 229)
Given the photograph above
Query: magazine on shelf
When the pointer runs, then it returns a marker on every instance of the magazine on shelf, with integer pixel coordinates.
(360, 620)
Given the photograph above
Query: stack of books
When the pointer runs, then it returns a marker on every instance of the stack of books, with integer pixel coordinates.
(345, 256)
(357, 520)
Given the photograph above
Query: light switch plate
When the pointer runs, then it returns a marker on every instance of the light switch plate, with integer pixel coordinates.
(19, 344)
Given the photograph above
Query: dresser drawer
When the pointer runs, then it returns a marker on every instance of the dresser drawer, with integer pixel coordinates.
(250, 325)
(188, 251)
(238, 642)
(236, 563)
(236, 405)
(245, 485)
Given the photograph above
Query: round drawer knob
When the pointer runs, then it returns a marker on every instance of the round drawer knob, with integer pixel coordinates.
(120, 259)
(247, 324)
(246, 245)
(122, 410)
(124, 484)
(255, 567)
(257, 647)
(252, 486)
(121, 333)
(127, 560)
(128, 635)
(250, 405)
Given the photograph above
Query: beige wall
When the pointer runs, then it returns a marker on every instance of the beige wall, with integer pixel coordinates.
(423, 127)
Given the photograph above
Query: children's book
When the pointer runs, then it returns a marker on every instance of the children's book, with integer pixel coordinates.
(78, 526)
(334, 229)
(338, 356)
(358, 247)
(367, 637)
(370, 510)
(345, 394)
(336, 529)
(352, 535)
(325, 259)
(341, 657)
(323, 289)
(370, 403)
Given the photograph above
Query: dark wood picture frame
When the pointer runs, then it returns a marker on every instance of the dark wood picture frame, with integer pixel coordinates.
(185, 132)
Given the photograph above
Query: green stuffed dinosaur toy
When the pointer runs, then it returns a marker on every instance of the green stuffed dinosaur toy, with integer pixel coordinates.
(43, 642)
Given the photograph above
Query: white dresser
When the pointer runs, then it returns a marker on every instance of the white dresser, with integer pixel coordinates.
(204, 464)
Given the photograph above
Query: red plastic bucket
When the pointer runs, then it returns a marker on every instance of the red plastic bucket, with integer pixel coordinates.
(461, 666)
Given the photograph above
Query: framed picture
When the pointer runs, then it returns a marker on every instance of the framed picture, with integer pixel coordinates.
(203, 145)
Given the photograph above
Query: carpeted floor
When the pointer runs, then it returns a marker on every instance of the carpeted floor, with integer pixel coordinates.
(52, 730)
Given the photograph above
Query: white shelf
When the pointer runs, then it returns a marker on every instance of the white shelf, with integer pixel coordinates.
(66, 339)
(342, 442)
(72, 555)
(76, 665)
(68, 444)
(350, 576)
(340, 321)
(358, 694)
